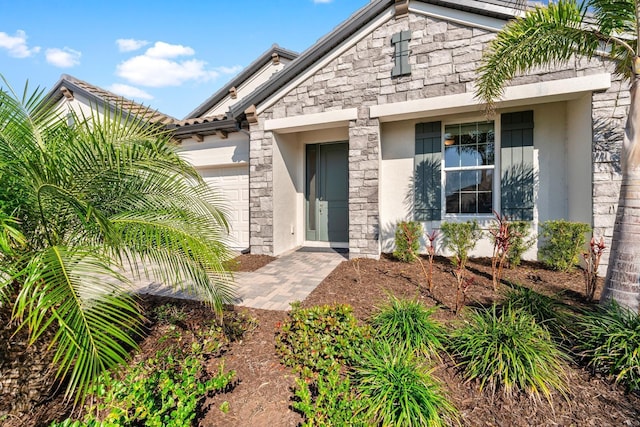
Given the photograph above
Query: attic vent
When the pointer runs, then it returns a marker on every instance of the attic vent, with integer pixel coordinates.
(400, 42)
(233, 92)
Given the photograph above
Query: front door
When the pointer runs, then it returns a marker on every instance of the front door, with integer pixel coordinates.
(327, 192)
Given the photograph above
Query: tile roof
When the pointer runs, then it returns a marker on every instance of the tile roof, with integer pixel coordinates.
(98, 94)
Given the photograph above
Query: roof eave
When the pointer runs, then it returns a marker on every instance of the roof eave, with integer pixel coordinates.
(247, 72)
(208, 128)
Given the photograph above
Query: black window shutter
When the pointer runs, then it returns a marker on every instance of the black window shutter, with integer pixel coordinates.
(516, 170)
(427, 180)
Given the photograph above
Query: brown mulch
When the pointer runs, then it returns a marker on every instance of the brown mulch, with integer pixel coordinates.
(248, 262)
(262, 393)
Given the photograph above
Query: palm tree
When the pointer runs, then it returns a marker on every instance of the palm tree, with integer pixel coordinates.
(80, 206)
(553, 35)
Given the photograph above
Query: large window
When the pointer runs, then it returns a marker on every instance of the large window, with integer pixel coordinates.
(469, 163)
(460, 160)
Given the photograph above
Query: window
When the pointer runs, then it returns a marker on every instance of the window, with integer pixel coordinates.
(461, 160)
(469, 162)
(400, 42)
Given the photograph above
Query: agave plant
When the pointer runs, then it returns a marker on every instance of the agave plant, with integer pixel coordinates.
(84, 200)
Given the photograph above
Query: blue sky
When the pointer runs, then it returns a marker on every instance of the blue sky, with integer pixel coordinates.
(171, 55)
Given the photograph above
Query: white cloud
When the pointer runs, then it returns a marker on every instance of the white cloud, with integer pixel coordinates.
(229, 70)
(17, 45)
(322, 1)
(160, 67)
(129, 45)
(129, 91)
(63, 58)
(166, 50)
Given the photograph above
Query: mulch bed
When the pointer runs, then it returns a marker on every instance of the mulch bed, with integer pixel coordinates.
(262, 393)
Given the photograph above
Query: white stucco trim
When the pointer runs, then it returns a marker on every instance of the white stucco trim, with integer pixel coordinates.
(306, 122)
(534, 93)
(462, 17)
(339, 50)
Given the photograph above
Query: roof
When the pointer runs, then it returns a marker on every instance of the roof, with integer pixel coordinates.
(244, 75)
(70, 84)
(501, 9)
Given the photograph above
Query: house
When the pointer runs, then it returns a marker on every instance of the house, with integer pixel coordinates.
(377, 123)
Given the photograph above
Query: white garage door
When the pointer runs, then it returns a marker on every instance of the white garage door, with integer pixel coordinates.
(233, 184)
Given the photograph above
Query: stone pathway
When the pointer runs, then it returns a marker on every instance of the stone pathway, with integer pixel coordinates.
(290, 277)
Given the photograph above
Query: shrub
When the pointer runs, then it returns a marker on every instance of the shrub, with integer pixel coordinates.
(521, 243)
(548, 311)
(407, 240)
(609, 338)
(319, 339)
(564, 242)
(505, 349)
(408, 324)
(169, 314)
(502, 236)
(164, 390)
(329, 401)
(460, 238)
(399, 391)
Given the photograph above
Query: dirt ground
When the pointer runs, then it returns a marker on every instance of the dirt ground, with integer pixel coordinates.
(261, 395)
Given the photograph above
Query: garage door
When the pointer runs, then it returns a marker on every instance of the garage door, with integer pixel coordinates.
(233, 184)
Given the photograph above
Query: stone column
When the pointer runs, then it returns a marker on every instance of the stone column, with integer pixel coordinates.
(364, 172)
(261, 190)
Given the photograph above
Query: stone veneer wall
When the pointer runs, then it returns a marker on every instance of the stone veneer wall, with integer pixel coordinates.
(609, 113)
(443, 58)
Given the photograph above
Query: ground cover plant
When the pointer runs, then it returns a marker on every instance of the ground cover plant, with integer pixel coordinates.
(506, 350)
(608, 337)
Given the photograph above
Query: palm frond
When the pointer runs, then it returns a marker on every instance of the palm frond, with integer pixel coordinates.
(80, 292)
(544, 36)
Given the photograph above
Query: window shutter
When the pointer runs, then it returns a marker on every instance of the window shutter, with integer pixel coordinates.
(400, 42)
(428, 178)
(516, 157)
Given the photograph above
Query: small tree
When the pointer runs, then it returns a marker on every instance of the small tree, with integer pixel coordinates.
(431, 251)
(592, 260)
(502, 236)
(407, 240)
(460, 238)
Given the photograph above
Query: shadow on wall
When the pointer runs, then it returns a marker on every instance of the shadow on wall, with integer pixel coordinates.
(608, 135)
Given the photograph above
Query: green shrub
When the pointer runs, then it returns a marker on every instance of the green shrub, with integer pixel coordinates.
(564, 242)
(504, 348)
(398, 391)
(460, 238)
(609, 338)
(329, 401)
(407, 240)
(164, 390)
(320, 338)
(408, 324)
(521, 242)
(546, 310)
(169, 314)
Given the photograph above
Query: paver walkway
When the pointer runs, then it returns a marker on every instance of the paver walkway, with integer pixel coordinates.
(288, 278)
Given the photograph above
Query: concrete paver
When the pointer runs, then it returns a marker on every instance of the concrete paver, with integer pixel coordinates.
(290, 277)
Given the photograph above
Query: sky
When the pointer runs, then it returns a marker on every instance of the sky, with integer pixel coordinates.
(171, 55)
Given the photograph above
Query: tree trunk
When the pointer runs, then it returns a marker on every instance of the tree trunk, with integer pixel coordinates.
(623, 273)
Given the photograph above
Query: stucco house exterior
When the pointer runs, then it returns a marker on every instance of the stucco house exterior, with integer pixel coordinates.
(377, 123)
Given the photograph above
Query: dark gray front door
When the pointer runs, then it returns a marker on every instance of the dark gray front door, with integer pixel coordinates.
(327, 192)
